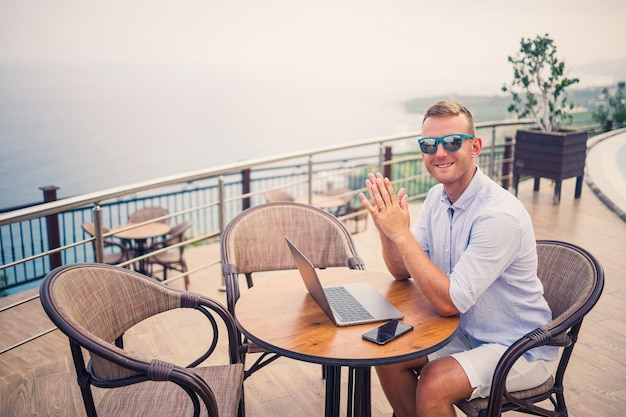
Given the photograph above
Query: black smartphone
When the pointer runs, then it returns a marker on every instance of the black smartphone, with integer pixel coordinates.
(387, 332)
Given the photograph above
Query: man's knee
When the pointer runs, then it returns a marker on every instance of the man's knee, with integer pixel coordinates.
(430, 382)
(443, 380)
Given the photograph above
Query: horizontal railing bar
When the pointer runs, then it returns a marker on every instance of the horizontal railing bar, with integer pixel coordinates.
(191, 271)
(30, 339)
(19, 303)
(48, 252)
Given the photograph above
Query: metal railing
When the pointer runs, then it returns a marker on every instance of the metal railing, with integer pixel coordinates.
(211, 197)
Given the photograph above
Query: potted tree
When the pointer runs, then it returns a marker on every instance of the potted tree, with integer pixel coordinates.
(549, 150)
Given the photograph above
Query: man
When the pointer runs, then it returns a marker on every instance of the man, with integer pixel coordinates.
(472, 252)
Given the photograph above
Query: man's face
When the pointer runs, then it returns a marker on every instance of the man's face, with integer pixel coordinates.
(453, 169)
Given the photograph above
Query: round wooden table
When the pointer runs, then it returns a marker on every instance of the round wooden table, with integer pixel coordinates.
(140, 235)
(279, 315)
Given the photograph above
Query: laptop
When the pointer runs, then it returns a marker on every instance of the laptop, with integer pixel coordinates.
(348, 304)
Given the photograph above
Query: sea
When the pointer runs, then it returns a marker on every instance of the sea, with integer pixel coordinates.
(85, 128)
(88, 128)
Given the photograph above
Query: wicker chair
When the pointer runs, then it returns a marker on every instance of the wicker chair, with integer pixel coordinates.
(149, 213)
(96, 304)
(173, 259)
(254, 242)
(573, 281)
(116, 252)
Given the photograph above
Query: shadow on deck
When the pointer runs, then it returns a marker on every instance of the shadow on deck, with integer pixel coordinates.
(37, 379)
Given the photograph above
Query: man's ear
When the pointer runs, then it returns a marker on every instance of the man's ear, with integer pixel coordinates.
(477, 146)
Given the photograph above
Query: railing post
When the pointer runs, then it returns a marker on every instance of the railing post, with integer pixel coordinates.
(310, 193)
(609, 125)
(388, 157)
(222, 218)
(52, 226)
(245, 188)
(506, 163)
(492, 154)
(222, 209)
(99, 239)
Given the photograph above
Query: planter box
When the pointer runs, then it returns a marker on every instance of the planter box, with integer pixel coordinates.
(554, 155)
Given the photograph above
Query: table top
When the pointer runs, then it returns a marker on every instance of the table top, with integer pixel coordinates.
(279, 315)
(146, 231)
(323, 201)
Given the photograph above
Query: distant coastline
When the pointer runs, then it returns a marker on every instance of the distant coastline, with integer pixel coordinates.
(494, 107)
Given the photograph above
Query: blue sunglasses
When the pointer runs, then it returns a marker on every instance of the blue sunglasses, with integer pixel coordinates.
(450, 143)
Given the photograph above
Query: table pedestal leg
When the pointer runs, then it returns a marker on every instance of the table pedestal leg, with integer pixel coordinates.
(359, 392)
(140, 252)
(333, 391)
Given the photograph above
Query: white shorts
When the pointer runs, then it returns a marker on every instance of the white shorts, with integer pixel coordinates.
(480, 362)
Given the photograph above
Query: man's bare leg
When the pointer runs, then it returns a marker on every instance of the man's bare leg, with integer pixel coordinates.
(442, 383)
(399, 384)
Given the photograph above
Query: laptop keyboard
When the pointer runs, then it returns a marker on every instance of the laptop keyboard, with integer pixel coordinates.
(345, 305)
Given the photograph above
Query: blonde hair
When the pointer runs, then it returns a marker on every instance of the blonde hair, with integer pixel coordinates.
(451, 108)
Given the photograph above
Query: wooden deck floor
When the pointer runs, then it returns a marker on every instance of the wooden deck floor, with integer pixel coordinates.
(37, 379)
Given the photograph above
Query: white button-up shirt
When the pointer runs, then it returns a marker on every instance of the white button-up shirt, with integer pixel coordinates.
(486, 244)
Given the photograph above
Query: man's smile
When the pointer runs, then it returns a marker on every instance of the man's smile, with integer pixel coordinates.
(446, 165)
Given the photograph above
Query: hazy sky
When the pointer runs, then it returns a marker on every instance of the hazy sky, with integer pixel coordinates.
(257, 77)
(441, 45)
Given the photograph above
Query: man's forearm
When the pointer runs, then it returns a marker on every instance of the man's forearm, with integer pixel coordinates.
(393, 259)
(433, 282)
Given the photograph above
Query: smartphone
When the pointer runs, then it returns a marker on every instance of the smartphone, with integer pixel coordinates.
(387, 332)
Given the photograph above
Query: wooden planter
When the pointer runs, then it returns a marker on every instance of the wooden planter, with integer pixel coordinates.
(554, 155)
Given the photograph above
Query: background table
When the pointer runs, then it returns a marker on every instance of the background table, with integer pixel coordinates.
(140, 235)
(329, 203)
(280, 316)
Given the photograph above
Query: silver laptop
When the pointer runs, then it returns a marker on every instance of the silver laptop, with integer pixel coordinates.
(348, 304)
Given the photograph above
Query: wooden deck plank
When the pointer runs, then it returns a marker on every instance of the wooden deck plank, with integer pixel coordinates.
(38, 379)
(54, 389)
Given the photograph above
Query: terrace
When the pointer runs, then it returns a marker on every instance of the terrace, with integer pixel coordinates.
(37, 377)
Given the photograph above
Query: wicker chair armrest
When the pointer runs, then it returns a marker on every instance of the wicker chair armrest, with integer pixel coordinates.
(548, 335)
(206, 306)
(231, 280)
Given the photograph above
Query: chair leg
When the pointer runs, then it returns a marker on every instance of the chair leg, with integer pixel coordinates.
(186, 278)
(242, 405)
